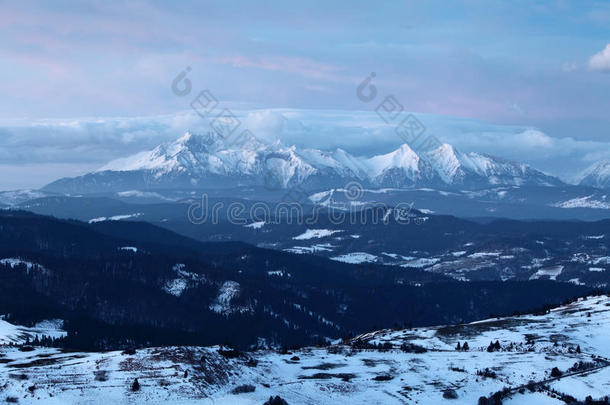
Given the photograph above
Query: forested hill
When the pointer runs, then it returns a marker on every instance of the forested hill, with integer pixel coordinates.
(121, 284)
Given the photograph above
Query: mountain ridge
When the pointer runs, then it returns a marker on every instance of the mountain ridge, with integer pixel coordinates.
(203, 160)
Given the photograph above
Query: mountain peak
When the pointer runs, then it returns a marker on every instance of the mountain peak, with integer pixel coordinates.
(402, 158)
(185, 138)
(597, 175)
(446, 161)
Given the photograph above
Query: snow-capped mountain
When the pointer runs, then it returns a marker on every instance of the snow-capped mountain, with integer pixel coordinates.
(473, 170)
(597, 175)
(195, 161)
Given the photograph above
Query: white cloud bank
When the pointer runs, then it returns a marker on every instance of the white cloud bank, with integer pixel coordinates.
(601, 60)
(33, 153)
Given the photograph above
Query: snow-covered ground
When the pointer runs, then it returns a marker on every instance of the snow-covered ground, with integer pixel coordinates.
(115, 218)
(350, 373)
(318, 247)
(355, 258)
(509, 263)
(14, 334)
(315, 233)
(583, 202)
(15, 262)
(256, 225)
(551, 272)
(223, 304)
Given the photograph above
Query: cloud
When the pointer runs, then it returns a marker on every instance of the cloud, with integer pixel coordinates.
(87, 140)
(516, 108)
(37, 152)
(105, 58)
(31, 176)
(569, 67)
(301, 66)
(601, 60)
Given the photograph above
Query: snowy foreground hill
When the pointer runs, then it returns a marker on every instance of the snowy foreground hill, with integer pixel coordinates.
(555, 357)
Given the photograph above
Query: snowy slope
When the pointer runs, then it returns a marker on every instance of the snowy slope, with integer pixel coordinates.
(472, 169)
(413, 366)
(13, 334)
(597, 175)
(16, 197)
(402, 167)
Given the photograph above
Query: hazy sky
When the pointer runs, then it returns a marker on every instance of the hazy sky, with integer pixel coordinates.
(539, 64)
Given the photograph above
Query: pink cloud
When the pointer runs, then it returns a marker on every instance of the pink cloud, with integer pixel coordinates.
(301, 66)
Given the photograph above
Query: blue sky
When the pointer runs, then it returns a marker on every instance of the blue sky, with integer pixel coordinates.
(538, 64)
